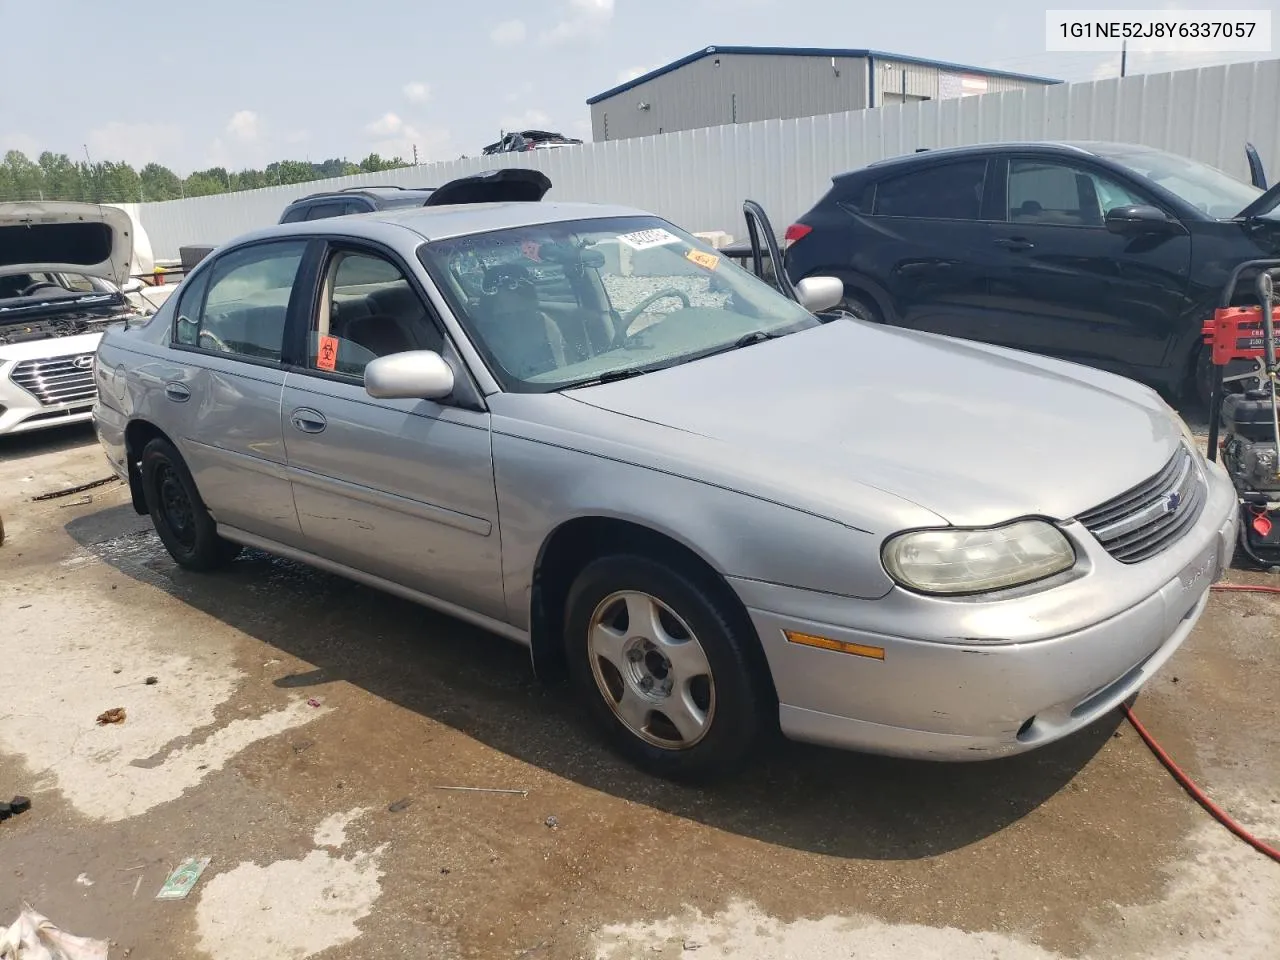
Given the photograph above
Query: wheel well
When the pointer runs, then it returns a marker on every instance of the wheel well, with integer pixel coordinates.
(575, 544)
(136, 436)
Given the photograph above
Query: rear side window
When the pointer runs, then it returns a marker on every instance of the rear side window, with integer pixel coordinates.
(331, 208)
(245, 298)
(951, 191)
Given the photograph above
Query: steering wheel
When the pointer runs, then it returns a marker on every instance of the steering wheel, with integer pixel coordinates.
(38, 285)
(218, 342)
(631, 315)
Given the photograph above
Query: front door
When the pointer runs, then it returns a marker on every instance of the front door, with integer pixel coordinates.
(400, 489)
(1068, 287)
(223, 399)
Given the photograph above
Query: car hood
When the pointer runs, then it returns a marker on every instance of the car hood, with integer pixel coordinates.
(493, 186)
(50, 347)
(972, 433)
(65, 237)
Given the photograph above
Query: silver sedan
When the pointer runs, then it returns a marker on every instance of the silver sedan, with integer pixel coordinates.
(586, 430)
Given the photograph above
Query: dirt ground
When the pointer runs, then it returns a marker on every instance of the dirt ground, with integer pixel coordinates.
(300, 727)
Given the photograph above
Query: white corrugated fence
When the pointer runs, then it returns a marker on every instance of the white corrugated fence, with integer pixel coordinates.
(699, 178)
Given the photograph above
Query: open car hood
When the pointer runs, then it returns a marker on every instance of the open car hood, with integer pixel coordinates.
(493, 186)
(48, 236)
(1269, 200)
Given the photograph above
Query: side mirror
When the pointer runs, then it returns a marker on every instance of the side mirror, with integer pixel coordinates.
(413, 375)
(1138, 218)
(820, 293)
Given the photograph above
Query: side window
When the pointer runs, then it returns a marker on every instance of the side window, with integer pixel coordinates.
(239, 306)
(951, 191)
(370, 310)
(1055, 193)
(295, 214)
(329, 208)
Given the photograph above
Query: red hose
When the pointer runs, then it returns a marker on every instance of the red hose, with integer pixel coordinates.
(1197, 794)
(1186, 782)
(1244, 588)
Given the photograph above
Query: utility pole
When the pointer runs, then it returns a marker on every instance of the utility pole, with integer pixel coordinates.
(415, 154)
(1124, 55)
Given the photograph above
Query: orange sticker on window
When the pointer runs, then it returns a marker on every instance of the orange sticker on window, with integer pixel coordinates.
(702, 259)
(327, 355)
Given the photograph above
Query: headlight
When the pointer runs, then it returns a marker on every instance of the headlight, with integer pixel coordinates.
(977, 561)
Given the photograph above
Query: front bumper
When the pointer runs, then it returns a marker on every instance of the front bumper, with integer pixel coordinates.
(1020, 674)
(22, 411)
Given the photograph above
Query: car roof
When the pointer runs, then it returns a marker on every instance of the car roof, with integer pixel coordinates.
(1095, 148)
(449, 220)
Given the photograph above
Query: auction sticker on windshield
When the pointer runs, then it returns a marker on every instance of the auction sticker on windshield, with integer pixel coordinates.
(702, 259)
(646, 239)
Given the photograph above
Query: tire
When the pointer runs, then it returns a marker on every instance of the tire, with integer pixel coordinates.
(177, 512)
(1202, 379)
(861, 308)
(730, 695)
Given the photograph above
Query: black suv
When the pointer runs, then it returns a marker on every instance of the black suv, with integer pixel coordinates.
(508, 183)
(1106, 254)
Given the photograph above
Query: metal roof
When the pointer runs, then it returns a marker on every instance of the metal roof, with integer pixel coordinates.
(813, 52)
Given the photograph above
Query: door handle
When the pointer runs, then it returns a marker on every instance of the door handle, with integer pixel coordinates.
(308, 420)
(1014, 243)
(177, 392)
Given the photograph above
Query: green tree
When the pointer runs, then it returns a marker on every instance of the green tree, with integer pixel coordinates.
(159, 183)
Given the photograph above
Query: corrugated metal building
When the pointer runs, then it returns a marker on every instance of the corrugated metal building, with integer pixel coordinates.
(723, 85)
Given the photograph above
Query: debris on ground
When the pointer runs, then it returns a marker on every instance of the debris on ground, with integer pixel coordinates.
(552, 822)
(76, 503)
(313, 702)
(182, 880)
(16, 806)
(6, 811)
(151, 681)
(35, 937)
(114, 715)
(518, 793)
(55, 494)
(84, 881)
(399, 806)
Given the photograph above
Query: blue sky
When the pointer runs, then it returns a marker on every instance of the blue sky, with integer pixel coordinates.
(242, 83)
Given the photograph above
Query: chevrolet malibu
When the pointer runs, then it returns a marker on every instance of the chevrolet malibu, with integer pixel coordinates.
(582, 428)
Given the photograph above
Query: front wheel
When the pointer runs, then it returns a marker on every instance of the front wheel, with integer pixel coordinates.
(177, 512)
(667, 669)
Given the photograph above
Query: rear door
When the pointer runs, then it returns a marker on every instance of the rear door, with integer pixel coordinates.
(927, 244)
(400, 489)
(1067, 286)
(223, 398)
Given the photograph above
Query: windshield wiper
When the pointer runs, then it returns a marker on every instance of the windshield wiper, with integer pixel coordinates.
(609, 376)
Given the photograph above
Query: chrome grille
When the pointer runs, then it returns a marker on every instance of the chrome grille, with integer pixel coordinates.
(1151, 517)
(57, 380)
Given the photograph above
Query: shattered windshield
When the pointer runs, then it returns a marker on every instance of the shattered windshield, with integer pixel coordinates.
(566, 304)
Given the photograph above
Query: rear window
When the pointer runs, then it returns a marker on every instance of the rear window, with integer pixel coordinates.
(951, 191)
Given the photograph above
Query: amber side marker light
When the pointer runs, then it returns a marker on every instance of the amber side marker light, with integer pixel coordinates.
(839, 646)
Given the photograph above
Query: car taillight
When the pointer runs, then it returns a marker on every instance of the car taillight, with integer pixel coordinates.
(797, 231)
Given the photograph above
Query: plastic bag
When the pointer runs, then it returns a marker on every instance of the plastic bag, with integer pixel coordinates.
(34, 937)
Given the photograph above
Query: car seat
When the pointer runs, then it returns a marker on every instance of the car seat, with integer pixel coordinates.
(523, 339)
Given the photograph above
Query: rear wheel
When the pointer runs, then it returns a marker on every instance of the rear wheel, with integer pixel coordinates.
(177, 512)
(861, 307)
(665, 667)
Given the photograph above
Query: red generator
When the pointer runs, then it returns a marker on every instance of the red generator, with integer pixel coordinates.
(1244, 427)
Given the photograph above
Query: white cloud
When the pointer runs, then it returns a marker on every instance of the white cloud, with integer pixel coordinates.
(136, 143)
(244, 125)
(521, 92)
(528, 120)
(631, 74)
(386, 125)
(583, 19)
(391, 136)
(508, 33)
(417, 92)
(21, 142)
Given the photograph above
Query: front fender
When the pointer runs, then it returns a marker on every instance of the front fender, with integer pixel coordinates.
(541, 486)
